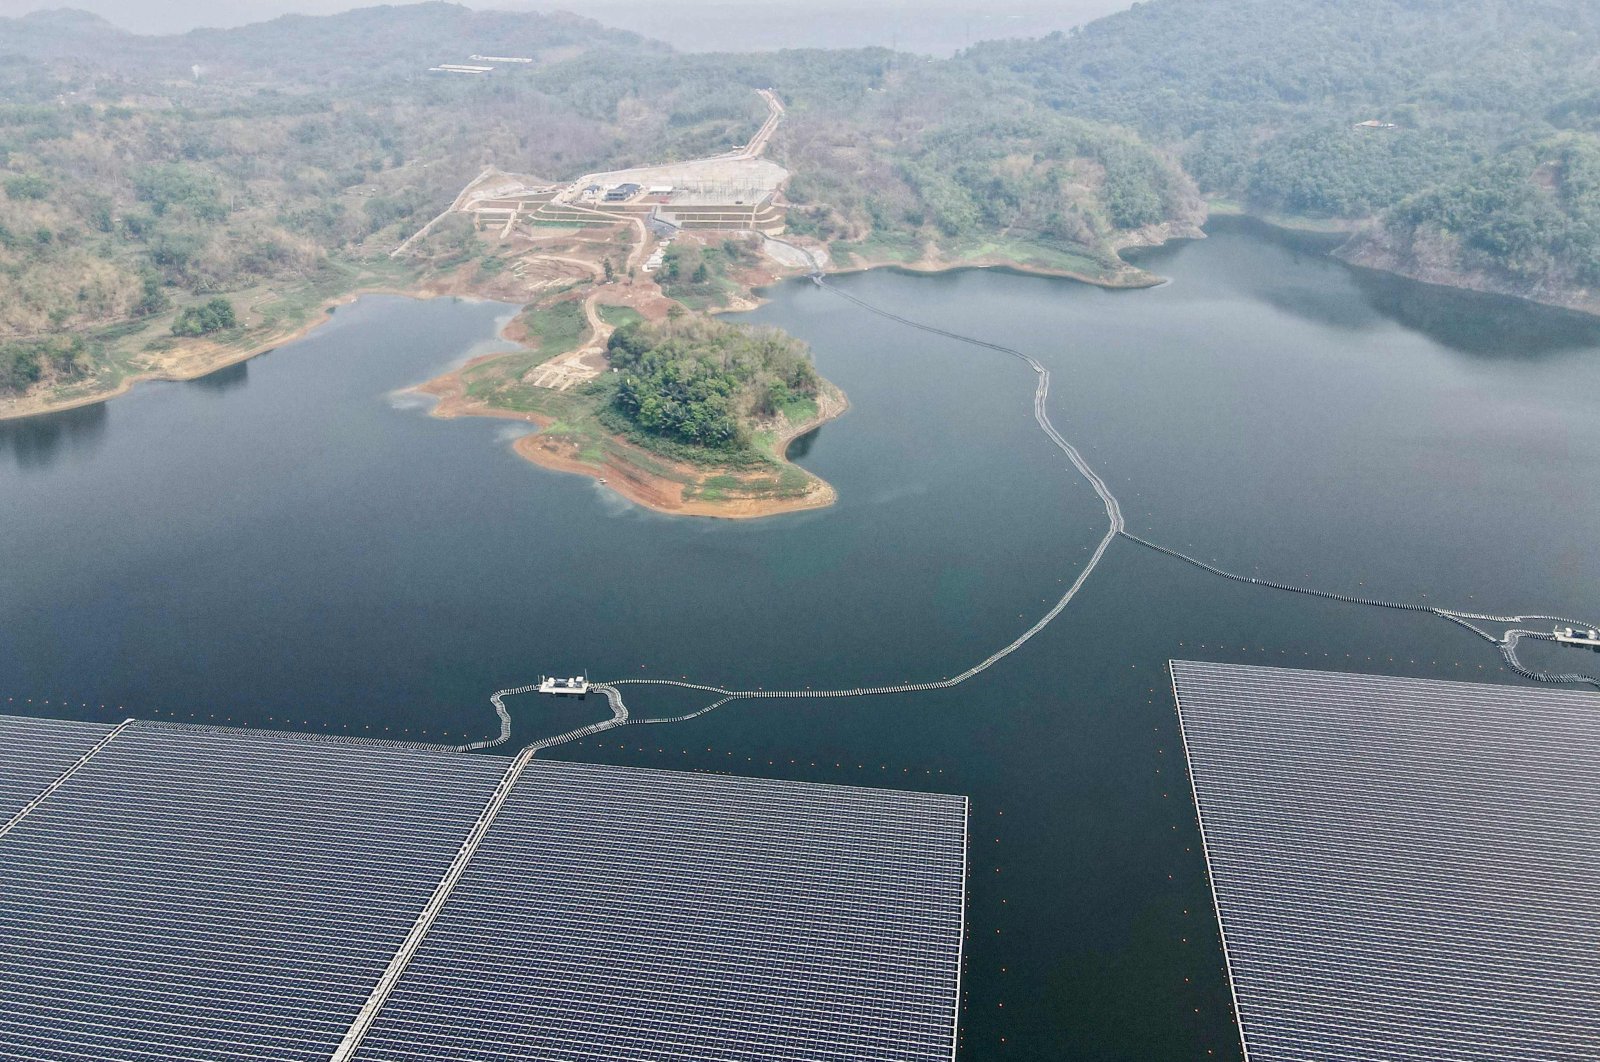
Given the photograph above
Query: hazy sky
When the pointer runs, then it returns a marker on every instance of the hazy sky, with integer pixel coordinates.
(935, 26)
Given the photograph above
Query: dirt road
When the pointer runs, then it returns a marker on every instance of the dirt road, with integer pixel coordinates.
(758, 143)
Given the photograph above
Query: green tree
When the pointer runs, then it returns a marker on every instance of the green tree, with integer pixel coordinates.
(28, 186)
(213, 316)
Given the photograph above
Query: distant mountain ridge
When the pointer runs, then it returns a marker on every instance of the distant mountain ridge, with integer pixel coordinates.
(67, 17)
(362, 45)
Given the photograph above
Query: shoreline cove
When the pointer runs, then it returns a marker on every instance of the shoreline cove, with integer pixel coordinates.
(198, 358)
(195, 359)
(34, 405)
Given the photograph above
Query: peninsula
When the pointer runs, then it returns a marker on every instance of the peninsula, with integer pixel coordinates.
(288, 166)
(695, 417)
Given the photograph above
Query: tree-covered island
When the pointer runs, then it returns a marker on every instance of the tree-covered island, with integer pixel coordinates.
(695, 415)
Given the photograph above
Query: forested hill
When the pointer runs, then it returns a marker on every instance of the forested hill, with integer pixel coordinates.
(1181, 66)
(1481, 118)
(143, 175)
(139, 175)
(360, 47)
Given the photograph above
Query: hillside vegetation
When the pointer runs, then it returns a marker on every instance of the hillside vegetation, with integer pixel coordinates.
(1526, 220)
(140, 176)
(143, 176)
(1484, 114)
(929, 165)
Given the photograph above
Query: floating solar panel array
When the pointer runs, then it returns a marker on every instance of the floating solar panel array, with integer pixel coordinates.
(191, 894)
(35, 752)
(184, 894)
(1404, 870)
(616, 914)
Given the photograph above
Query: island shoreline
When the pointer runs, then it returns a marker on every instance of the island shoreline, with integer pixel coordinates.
(638, 485)
(28, 405)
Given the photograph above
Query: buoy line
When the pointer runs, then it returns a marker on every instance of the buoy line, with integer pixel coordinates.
(1115, 528)
(1507, 644)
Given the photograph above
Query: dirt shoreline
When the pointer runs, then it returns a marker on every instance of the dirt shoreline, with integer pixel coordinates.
(1127, 276)
(662, 491)
(192, 366)
(650, 490)
(1134, 279)
(201, 364)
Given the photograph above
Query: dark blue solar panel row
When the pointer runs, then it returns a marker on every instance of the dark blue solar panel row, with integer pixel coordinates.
(629, 916)
(35, 752)
(1405, 870)
(194, 894)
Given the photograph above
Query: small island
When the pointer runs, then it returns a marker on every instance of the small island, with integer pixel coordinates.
(687, 415)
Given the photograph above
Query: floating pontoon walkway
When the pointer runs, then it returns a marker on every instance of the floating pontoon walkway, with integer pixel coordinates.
(183, 893)
(1405, 870)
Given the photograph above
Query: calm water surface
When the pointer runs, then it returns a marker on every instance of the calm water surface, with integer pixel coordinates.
(294, 542)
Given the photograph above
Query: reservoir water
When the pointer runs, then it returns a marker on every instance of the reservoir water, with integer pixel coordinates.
(293, 542)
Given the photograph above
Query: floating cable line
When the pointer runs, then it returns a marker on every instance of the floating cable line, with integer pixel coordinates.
(1115, 528)
(1506, 644)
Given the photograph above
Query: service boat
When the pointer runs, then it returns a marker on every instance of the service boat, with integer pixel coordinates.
(575, 686)
(1587, 637)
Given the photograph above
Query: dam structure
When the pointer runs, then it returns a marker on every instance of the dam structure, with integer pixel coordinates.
(185, 893)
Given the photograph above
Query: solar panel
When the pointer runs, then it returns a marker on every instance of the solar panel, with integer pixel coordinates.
(189, 893)
(618, 914)
(35, 752)
(196, 894)
(1403, 869)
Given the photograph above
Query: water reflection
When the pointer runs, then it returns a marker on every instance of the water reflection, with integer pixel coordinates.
(36, 443)
(802, 444)
(1330, 307)
(1467, 322)
(1303, 245)
(225, 379)
(1484, 326)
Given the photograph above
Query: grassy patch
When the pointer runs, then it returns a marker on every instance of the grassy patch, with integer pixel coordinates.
(799, 409)
(267, 310)
(879, 247)
(522, 397)
(793, 479)
(908, 247)
(1070, 259)
(556, 329)
(619, 316)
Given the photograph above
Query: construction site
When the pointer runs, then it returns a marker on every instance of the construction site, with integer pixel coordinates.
(604, 236)
(735, 192)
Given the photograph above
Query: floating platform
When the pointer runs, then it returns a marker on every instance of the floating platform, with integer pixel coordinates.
(576, 686)
(238, 894)
(1586, 637)
(1404, 869)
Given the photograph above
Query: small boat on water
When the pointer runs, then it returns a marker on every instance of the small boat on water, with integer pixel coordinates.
(1584, 637)
(574, 686)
